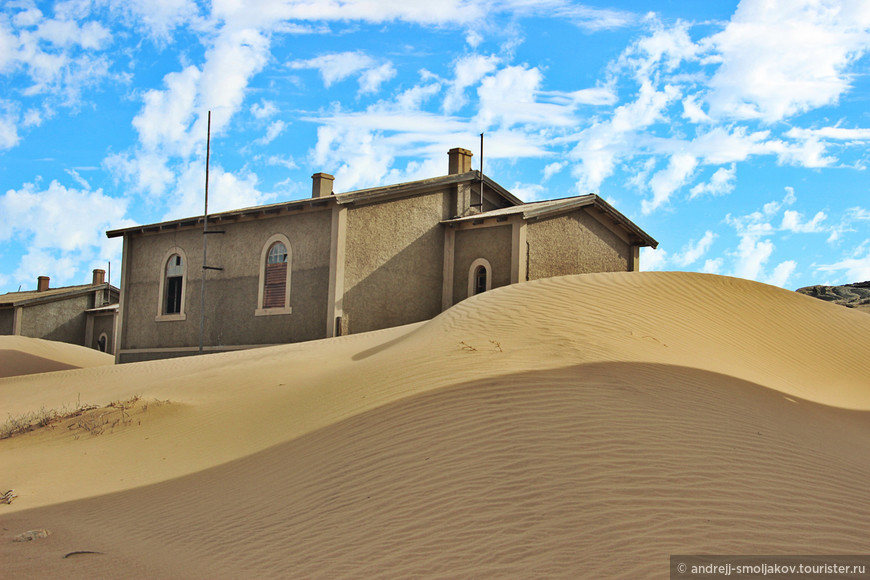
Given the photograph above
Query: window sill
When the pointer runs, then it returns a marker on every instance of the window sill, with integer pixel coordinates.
(170, 317)
(272, 311)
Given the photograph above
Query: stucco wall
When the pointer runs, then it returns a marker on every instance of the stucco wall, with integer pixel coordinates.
(103, 323)
(394, 262)
(574, 243)
(7, 318)
(61, 320)
(231, 294)
(492, 243)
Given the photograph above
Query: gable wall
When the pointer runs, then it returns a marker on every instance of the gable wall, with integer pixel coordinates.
(492, 243)
(574, 243)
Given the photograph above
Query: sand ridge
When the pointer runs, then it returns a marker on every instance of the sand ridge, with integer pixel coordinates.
(21, 355)
(732, 404)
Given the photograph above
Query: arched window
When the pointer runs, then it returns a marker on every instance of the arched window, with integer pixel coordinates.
(479, 277)
(173, 285)
(102, 342)
(479, 280)
(275, 289)
(275, 268)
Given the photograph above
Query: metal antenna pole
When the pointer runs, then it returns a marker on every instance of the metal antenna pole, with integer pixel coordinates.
(481, 173)
(204, 239)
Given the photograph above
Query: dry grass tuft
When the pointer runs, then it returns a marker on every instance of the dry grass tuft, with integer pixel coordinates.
(86, 418)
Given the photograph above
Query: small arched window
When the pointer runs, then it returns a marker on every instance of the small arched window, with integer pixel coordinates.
(102, 342)
(174, 285)
(275, 288)
(479, 280)
(479, 277)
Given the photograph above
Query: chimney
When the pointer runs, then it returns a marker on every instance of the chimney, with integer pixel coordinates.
(321, 185)
(99, 277)
(460, 161)
(42, 283)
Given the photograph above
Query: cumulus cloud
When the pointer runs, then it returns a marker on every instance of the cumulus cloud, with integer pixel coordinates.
(721, 182)
(678, 172)
(694, 250)
(467, 71)
(782, 57)
(61, 227)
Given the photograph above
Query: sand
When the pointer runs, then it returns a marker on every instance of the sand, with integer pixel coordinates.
(20, 355)
(586, 426)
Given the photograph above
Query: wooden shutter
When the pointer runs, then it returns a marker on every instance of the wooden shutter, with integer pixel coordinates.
(275, 290)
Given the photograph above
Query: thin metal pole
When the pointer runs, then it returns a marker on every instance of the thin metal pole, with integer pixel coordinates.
(481, 173)
(204, 239)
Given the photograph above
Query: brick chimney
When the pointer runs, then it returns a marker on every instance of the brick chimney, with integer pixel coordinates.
(459, 161)
(99, 277)
(42, 283)
(321, 185)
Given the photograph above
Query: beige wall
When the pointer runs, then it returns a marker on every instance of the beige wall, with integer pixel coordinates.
(574, 243)
(60, 320)
(492, 243)
(103, 323)
(231, 294)
(394, 261)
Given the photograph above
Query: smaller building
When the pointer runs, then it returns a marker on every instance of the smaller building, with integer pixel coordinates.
(85, 315)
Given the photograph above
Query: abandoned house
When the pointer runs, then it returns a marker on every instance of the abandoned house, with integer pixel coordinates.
(340, 263)
(83, 315)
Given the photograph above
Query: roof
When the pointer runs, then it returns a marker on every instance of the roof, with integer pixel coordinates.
(551, 208)
(32, 296)
(362, 196)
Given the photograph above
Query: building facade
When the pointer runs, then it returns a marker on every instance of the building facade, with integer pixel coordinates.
(340, 263)
(84, 315)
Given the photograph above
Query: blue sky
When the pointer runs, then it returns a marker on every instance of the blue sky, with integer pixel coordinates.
(735, 133)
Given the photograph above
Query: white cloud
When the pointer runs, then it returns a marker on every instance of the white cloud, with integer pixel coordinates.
(468, 71)
(552, 169)
(264, 110)
(601, 145)
(226, 191)
(370, 81)
(164, 121)
(694, 251)
(835, 133)
(721, 183)
(783, 57)
(275, 129)
(62, 228)
(160, 17)
(751, 256)
(651, 259)
(793, 221)
(680, 169)
(855, 268)
(8, 127)
(782, 272)
(336, 67)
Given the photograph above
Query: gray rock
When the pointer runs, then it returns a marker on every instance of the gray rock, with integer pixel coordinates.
(850, 295)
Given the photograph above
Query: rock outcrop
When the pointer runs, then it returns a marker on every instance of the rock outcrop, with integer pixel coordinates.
(855, 295)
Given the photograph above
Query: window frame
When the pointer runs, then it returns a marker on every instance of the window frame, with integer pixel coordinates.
(261, 286)
(472, 275)
(163, 287)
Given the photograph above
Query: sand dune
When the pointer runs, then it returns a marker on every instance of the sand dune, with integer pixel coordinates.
(20, 355)
(586, 426)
